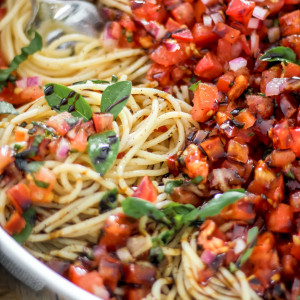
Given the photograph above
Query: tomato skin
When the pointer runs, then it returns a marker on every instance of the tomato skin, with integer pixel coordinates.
(15, 224)
(148, 10)
(289, 23)
(172, 25)
(260, 106)
(59, 123)
(293, 42)
(117, 230)
(6, 157)
(146, 190)
(184, 14)
(139, 274)
(240, 10)
(294, 201)
(295, 141)
(19, 195)
(205, 102)
(280, 219)
(179, 195)
(228, 33)
(183, 36)
(159, 73)
(103, 121)
(281, 136)
(76, 272)
(163, 56)
(209, 67)
(173, 165)
(238, 151)
(203, 36)
(213, 148)
(136, 293)
(291, 70)
(240, 210)
(224, 81)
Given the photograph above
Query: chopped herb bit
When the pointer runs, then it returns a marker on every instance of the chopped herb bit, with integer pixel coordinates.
(114, 79)
(197, 179)
(108, 201)
(261, 94)
(41, 184)
(194, 86)
(170, 185)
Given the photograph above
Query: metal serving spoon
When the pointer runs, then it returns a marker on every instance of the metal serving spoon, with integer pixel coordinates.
(54, 18)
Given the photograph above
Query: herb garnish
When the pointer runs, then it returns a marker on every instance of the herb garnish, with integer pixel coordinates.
(108, 201)
(7, 108)
(61, 98)
(284, 54)
(194, 86)
(115, 97)
(35, 45)
(103, 149)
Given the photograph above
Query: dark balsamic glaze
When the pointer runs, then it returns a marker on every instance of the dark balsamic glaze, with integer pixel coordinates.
(116, 103)
(104, 151)
(49, 90)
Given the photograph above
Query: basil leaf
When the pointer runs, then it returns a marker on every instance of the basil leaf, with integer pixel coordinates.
(35, 45)
(103, 149)
(115, 97)
(137, 208)
(215, 205)
(41, 184)
(108, 201)
(29, 215)
(34, 166)
(156, 255)
(194, 86)
(7, 108)
(61, 98)
(170, 185)
(252, 235)
(95, 81)
(114, 79)
(251, 242)
(284, 54)
(198, 179)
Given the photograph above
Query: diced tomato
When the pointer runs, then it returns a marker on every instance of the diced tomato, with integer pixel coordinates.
(280, 219)
(195, 162)
(19, 195)
(237, 151)
(59, 123)
(110, 271)
(239, 86)
(273, 6)
(291, 2)
(148, 10)
(263, 174)
(199, 10)
(209, 67)
(226, 32)
(21, 136)
(280, 158)
(173, 165)
(93, 283)
(214, 148)
(45, 177)
(276, 191)
(165, 57)
(136, 293)
(267, 76)
(146, 190)
(102, 121)
(261, 106)
(240, 10)
(180, 195)
(224, 51)
(117, 230)
(281, 136)
(127, 23)
(205, 102)
(15, 224)
(159, 73)
(291, 70)
(225, 81)
(293, 42)
(295, 141)
(177, 73)
(79, 142)
(240, 210)
(245, 44)
(76, 271)
(287, 105)
(6, 157)
(29, 94)
(203, 36)
(245, 117)
(184, 13)
(172, 25)
(184, 35)
(294, 201)
(139, 274)
(290, 23)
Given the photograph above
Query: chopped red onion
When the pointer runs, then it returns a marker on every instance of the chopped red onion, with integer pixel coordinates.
(239, 246)
(254, 23)
(275, 86)
(167, 89)
(108, 41)
(237, 63)
(254, 42)
(171, 45)
(25, 82)
(260, 13)
(207, 21)
(208, 257)
(274, 34)
(63, 149)
(217, 18)
(155, 29)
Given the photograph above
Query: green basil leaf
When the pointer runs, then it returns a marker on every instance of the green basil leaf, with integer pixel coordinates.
(95, 81)
(115, 97)
(61, 98)
(7, 108)
(35, 45)
(34, 166)
(252, 235)
(215, 205)
(17, 147)
(108, 201)
(156, 255)
(284, 54)
(114, 79)
(103, 149)
(41, 184)
(170, 185)
(198, 179)
(194, 86)
(137, 208)
(29, 215)
(166, 236)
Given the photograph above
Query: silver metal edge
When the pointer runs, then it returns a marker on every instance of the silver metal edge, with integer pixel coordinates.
(19, 256)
